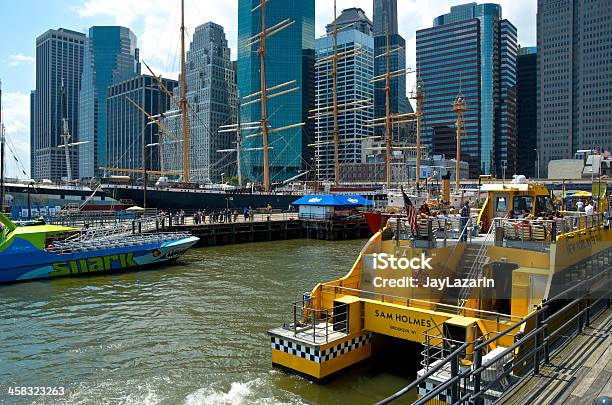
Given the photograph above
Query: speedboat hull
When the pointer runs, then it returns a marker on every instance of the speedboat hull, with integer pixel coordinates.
(27, 263)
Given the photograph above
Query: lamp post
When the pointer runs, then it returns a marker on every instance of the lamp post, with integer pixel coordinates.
(222, 176)
(537, 162)
(503, 170)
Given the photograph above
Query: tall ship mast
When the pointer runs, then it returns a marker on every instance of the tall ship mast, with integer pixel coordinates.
(334, 110)
(393, 119)
(183, 104)
(265, 93)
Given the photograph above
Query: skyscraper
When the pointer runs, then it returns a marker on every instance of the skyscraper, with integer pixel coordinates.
(385, 17)
(471, 51)
(32, 131)
(353, 84)
(111, 56)
(59, 58)
(574, 70)
(526, 113)
(127, 128)
(385, 22)
(289, 56)
(212, 98)
(353, 18)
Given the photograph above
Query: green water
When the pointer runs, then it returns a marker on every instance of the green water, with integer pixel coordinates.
(189, 333)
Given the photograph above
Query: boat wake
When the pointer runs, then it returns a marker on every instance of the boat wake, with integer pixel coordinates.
(256, 391)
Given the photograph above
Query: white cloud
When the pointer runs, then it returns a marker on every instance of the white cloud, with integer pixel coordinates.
(156, 22)
(16, 115)
(18, 59)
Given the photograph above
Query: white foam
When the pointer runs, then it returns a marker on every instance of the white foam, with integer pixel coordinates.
(240, 393)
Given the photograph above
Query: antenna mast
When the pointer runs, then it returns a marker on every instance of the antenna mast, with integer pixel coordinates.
(183, 103)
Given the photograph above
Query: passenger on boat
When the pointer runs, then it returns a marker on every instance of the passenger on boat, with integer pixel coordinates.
(424, 210)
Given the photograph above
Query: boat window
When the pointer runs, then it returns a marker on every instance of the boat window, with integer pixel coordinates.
(520, 203)
(544, 204)
(501, 205)
(62, 197)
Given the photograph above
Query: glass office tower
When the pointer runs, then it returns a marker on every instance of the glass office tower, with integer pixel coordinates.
(385, 21)
(289, 56)
(111, 56)
(526, 113)
(472, 51)
(353, 83)
(127, 129)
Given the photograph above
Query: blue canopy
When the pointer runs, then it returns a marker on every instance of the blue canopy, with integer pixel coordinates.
(333, 200)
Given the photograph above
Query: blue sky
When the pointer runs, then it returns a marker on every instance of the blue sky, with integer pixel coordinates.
(156, 22)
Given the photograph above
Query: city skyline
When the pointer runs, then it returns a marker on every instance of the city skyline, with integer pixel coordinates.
(157, 35)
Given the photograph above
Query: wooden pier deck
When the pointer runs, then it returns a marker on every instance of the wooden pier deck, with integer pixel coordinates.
(283, 226)
(578, 374)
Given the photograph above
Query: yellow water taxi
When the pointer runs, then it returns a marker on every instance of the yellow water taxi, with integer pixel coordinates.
(483, 291)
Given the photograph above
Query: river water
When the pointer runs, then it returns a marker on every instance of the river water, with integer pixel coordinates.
(190, 333)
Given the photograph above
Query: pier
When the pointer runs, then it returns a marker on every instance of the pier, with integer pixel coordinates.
(261, 227)
(578, 373)
(264, 227)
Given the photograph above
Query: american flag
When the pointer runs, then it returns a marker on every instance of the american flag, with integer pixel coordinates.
(411, 211)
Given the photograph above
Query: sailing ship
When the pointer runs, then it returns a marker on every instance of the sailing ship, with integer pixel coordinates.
(189, 195)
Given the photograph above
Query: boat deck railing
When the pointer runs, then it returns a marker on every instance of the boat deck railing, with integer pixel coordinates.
(538, 234)
(493, 372)
(110, 242)
(450, 309)
(317, 326)
(429, 230)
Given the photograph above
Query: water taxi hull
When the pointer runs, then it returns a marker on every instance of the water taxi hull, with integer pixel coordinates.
(25, 264)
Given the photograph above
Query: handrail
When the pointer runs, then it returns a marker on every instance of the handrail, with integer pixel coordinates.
(437, 304)
(428, 374)
(539, 336)
(476, 267)
(452, 253)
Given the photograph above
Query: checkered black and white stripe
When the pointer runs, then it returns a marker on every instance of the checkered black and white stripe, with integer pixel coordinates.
(296, 349)
(313, 353)
(426, 387)
(345, 347)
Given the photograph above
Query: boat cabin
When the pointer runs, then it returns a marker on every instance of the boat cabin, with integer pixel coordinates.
(514, 200)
